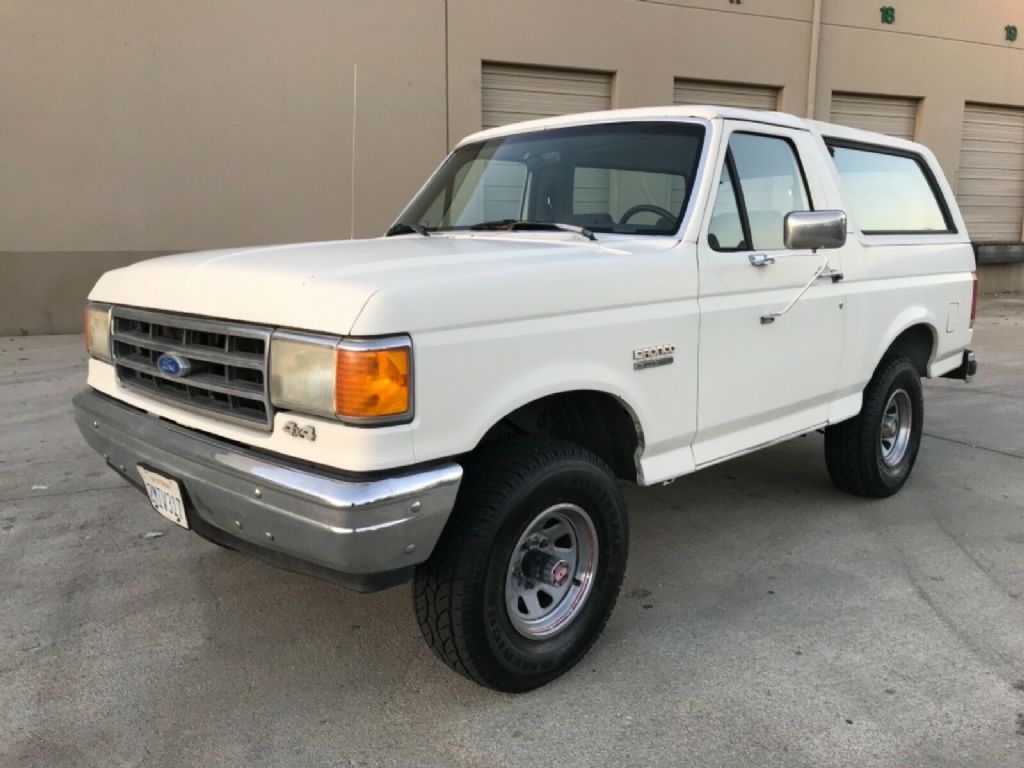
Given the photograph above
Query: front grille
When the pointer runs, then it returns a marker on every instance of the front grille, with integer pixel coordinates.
(227, 361)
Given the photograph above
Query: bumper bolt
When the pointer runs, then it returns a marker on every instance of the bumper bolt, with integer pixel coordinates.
(410, 549)
(258, 493)
(415, 507)
(238, 524)
(270, 536)
(95, 425)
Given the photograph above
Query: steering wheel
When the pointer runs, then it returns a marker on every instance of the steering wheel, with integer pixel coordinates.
(646, 208)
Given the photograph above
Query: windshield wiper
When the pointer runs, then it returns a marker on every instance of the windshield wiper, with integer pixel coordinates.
(513, 224)
(402, 228)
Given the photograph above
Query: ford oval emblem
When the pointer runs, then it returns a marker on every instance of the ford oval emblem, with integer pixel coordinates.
(171, 364)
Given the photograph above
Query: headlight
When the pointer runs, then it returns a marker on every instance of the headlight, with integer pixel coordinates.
(96, 330)
(366, 382)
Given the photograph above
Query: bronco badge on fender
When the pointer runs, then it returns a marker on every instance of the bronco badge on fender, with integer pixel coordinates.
(651, 357)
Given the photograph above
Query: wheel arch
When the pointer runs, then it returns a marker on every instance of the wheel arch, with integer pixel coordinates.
(912, 335)
(598, 420)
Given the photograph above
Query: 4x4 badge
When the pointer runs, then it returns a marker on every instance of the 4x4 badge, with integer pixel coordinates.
(306, 433)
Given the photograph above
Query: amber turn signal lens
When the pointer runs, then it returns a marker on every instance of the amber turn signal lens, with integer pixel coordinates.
(372, 383)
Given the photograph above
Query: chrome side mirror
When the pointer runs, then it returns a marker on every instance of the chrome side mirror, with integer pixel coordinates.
(803, 230)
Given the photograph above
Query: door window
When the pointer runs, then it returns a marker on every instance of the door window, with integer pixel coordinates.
(726, 232)
(761, 182)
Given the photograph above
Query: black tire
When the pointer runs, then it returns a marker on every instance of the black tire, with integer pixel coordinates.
(854, 451)
(459, 593)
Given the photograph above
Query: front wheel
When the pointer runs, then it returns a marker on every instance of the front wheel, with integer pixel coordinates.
(526, 574)
(873, 453)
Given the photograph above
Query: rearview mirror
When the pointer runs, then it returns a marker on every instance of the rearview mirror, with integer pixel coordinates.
(804, 230)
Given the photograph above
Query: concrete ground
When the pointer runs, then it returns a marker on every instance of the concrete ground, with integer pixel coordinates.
(766, 619)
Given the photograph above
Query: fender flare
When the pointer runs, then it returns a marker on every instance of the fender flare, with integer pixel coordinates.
(908, 318)
(568, 387)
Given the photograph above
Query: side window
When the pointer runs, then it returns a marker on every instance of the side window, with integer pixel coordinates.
(761, 183)
(889, 192)
(772, 185)
(726, 232)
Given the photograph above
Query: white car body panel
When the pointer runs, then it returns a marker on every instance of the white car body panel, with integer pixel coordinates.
(760, 383)
(499, 320)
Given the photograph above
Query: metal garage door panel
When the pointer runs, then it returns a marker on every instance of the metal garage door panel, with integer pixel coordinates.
(725, 94)
(890, 115)
(513, 93)
(990, 180)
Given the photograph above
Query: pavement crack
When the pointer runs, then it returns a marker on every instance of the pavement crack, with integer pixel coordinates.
(55, 494)
(968, 444)
(971, 391)
(959, 544)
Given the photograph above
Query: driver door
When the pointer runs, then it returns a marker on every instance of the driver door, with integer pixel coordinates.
(760, 379)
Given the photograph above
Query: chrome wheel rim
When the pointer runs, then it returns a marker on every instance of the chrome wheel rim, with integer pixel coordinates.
(897, 420)
(551, 571)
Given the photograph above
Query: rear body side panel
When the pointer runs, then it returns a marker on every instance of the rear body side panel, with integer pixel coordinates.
(896, 281)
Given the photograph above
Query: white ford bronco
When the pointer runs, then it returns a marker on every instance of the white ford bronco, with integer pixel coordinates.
(566, 304)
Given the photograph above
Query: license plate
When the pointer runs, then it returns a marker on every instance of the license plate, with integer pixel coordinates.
(165, 496)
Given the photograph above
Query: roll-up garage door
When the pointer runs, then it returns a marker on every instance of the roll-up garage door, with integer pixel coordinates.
(725, 94)
(512, 93)
(890, 115)
(990, 181)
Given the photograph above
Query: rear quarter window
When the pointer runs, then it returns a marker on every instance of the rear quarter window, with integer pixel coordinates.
(890, 191)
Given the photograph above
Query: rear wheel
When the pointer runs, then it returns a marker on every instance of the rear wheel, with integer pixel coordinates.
(873, 453)
(526, 574)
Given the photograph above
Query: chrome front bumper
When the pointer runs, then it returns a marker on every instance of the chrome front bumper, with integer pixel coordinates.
(365, 532)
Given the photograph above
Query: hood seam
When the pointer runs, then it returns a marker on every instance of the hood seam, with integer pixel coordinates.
(362, 309)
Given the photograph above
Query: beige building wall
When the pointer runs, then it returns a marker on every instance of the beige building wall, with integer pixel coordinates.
(128, 128)
(944, 53)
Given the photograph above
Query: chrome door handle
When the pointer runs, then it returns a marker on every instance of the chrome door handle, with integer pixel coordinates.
(761, 259)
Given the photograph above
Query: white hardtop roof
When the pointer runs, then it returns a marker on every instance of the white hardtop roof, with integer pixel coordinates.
(699, 111)
(844, 132)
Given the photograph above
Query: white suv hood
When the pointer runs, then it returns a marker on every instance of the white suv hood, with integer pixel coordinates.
(325, 286)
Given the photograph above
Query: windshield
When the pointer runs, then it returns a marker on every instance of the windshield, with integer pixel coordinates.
(626, 178)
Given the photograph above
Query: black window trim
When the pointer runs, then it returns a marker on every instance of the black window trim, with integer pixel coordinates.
(880, 149)
(741, 201)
